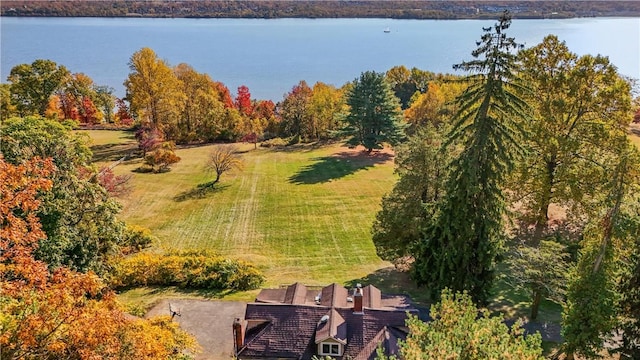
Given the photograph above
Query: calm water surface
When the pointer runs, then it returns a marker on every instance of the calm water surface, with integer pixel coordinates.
(270, 56)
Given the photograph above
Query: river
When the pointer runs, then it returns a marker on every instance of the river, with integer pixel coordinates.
(270, 56)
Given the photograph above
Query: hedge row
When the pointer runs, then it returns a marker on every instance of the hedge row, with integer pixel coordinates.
(190, 269)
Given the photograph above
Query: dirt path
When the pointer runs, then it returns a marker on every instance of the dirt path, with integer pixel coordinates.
(208, 320)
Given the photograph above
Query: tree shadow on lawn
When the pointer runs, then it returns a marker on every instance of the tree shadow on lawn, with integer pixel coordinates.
(128, 148)
(336, 166)
(302, 147)
(200, 191)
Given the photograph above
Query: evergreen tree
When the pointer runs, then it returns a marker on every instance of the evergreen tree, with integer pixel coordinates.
(460, 247)
(422, 169)
(375, 115)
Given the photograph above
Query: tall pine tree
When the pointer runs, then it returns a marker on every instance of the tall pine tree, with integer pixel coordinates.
(460, 247)
(375, 116)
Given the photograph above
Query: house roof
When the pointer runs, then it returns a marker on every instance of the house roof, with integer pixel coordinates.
(332, 295)
(331, 326)
(295, 294)
(290, 329)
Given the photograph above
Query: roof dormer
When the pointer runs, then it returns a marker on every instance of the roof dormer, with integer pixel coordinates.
(331, 334)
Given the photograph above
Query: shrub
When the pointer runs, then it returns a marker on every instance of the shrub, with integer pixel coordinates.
(160, 159)
(136, 238)
(275, 142)
(186, 269)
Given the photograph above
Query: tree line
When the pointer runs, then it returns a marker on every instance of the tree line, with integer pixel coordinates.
(321, 9)
(177, 105)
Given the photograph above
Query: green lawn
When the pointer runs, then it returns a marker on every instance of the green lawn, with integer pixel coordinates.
(301, 214)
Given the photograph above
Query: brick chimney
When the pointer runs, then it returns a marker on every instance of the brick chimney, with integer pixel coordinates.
(238, 335)
(357, 301)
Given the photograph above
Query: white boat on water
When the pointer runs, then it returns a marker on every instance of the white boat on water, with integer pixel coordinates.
(387, 30)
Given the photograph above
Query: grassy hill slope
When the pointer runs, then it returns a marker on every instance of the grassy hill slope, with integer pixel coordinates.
(301, 215)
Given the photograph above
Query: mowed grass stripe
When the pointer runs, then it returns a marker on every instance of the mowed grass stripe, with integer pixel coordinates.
(301, 215)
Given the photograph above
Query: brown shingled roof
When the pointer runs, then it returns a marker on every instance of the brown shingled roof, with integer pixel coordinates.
(331, 326)
(295, 294)
(371, 297)
(287, 330)
(388, 338)
(334, 295)
(270, 296)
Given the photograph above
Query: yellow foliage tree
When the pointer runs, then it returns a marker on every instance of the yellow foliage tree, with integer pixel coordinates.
(62, 314)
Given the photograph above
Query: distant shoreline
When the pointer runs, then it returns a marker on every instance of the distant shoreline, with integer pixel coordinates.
(275, 9)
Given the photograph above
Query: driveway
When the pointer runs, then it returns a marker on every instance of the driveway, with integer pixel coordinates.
(208, 320)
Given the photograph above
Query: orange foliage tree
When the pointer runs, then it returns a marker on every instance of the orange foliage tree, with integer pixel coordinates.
(62, 314)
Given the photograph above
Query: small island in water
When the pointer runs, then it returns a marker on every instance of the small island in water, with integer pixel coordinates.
(414, 9)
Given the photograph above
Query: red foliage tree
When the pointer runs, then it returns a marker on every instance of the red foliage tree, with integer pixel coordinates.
(243, 101)
(148, 139)
(265, 109)
(89, 112)
(224, 95)
(122, 114)
(115, 185)
(68, 106)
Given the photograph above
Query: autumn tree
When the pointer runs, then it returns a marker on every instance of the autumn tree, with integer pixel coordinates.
(201, 117)
(294, 111)
(77, 215)
(76, 99)
(33, 84)
(326, 108)
(162, 157)
(407, 83)
(457, 332)
(148, 139)
(461, 245)
(374, 114)
(266, 111)
(9, 110)
(582, 106)
(399, 78)
(243, 101)
(223, 158)
(62, 314)
(89, 112)
(122, 116)
(115, 185)
(434, 106)
(154, 92)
